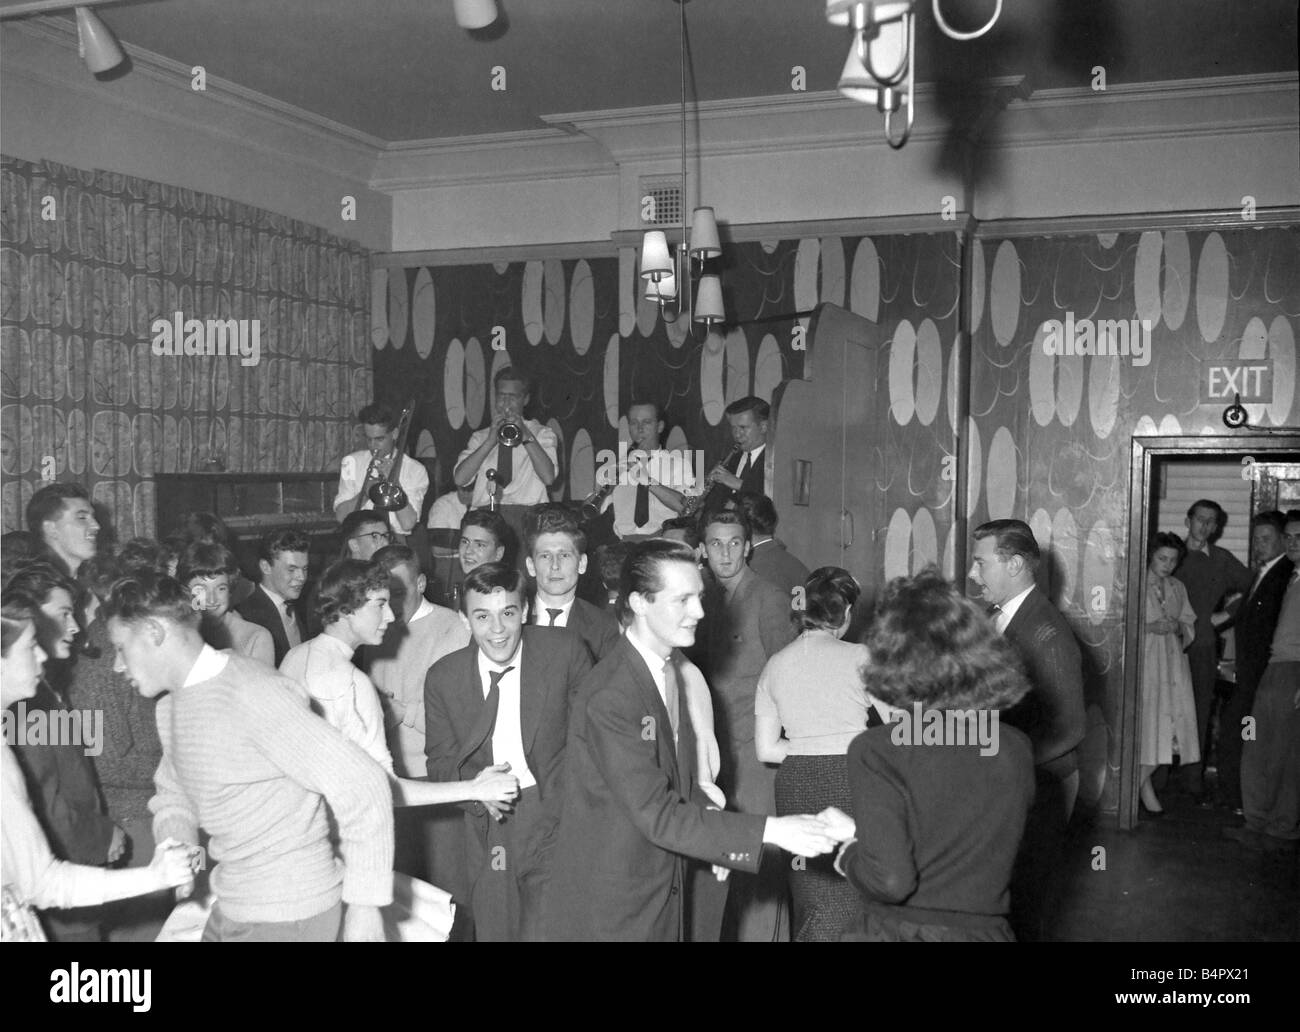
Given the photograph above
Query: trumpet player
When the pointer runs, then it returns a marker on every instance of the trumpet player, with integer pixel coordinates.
(362, 469)
(522, 472)
(649, 491)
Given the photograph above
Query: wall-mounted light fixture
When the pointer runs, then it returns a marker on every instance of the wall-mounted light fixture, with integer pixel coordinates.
(96, 43)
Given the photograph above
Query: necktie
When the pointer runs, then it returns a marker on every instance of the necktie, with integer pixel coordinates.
(505, 465)
(291, 625)
(494, 693)
(671, 700)
(742, 465)
(554, 614)
(641, 513)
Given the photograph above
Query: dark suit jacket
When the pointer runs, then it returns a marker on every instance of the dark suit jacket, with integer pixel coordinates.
(753, 480)
(1255, 621)
(774, 564)
(1052, 714)
(458, 737)
(259, 609)
(626, 827)
(597, 627)
(61, 783)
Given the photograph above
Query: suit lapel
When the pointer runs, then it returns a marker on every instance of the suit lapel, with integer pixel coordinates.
(534, 684)
(654, 703)
(474, 706)
(273, 622)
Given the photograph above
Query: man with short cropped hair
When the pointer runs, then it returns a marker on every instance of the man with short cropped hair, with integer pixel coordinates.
(245, 759)
(364, 533)
(63, 520)
(750, 421)
(379, 424)
(1004, 562)
(768, 556)
(651, 486)
(556, 550)
(274, 603)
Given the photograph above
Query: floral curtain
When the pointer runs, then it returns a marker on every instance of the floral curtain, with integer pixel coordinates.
(89, 260)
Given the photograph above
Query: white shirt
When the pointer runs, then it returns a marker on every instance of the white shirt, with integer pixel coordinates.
(543, 619)
(290, 624)
(753, 458)
(446, 512)
(1263, 572)
(656, 663)
(665, 467)
(525, 487)
(508, 732)
(1009, 608)
(411, 476)
(340, 693)
(208, 665)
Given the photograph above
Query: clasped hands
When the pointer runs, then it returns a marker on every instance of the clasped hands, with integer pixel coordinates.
(497, 789)
(805, 834)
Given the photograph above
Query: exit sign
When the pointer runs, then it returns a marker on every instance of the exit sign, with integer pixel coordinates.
(1223, 381)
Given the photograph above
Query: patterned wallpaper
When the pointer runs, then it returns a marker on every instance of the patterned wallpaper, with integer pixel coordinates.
(1049, 434)
(90, 260)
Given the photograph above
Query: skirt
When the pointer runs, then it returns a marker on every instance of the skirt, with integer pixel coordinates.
(822, 901)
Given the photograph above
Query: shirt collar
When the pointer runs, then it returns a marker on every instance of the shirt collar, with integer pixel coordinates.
(426, 607)
(539, 610)
(1012, 604)
(277, 598)
(486, 666)
(337, 644)
(208, 665)
(1263, 570)
(652, 659)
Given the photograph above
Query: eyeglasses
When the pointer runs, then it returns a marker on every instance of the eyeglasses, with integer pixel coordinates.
(378, 535)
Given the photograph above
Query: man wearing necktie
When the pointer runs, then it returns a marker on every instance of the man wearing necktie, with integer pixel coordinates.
(633, 809)
(1253, 625)
(1270, 762)
(274, 604)
(556, 556)
(652, 487)
(749, 419)
(503, 698)
(1004, 561)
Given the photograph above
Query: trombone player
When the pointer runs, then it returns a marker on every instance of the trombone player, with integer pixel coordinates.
(362, 470)
(520, 452)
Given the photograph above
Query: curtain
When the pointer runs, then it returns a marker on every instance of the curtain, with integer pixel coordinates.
(89, 260)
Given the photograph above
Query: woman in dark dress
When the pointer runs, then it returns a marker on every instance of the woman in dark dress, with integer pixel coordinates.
(939, 797)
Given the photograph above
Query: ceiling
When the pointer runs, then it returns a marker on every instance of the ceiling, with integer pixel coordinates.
(403, 70)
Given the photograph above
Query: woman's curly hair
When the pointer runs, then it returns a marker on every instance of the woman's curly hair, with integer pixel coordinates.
(929, 644)
(346, 586)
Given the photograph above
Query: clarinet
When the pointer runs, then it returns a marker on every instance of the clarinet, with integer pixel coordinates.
(698, 503)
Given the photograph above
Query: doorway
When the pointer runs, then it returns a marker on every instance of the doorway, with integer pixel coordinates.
(1253, 472)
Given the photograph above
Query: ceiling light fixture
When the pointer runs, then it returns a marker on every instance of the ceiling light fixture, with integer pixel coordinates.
(661, 271)
(96, 44)
(881, 66)
(475, 14)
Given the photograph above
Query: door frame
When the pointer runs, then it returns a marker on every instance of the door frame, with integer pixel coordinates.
(1146, 451)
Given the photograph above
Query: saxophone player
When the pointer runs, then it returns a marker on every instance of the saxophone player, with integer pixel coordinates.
(652, 487)
(366, 467)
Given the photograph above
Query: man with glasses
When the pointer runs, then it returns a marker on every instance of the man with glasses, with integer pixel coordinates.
(364, 533)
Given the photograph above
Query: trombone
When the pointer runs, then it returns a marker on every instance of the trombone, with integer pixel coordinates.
(387, 494)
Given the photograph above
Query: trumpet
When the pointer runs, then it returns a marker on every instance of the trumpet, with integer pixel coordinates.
(590, 508)
(387, 494)
(509, 435)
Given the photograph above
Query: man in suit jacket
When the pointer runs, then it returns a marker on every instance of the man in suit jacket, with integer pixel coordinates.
(618, 865)
(1005, 559)
(747, 622)
(1253, 627)
(746, 468)
(767, 556)
(504, 698)
(276, 602)
(556, 556)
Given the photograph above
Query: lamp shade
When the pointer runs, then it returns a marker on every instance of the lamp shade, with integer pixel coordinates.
(708, 301)
(655, 260)
(855, 13)
(856, 83)
(662, 290)
(475, 14)
(704, 234)
(99, 47)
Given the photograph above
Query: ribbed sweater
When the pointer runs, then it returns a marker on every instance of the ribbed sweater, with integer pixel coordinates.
(246, 759)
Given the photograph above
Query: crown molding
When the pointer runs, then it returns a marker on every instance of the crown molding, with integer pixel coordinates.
(1081, 225)
(238, 100)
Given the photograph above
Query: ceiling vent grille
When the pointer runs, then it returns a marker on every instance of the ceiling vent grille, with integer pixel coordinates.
(660, 201)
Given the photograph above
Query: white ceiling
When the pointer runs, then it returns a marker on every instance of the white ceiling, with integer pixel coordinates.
(403, 69)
